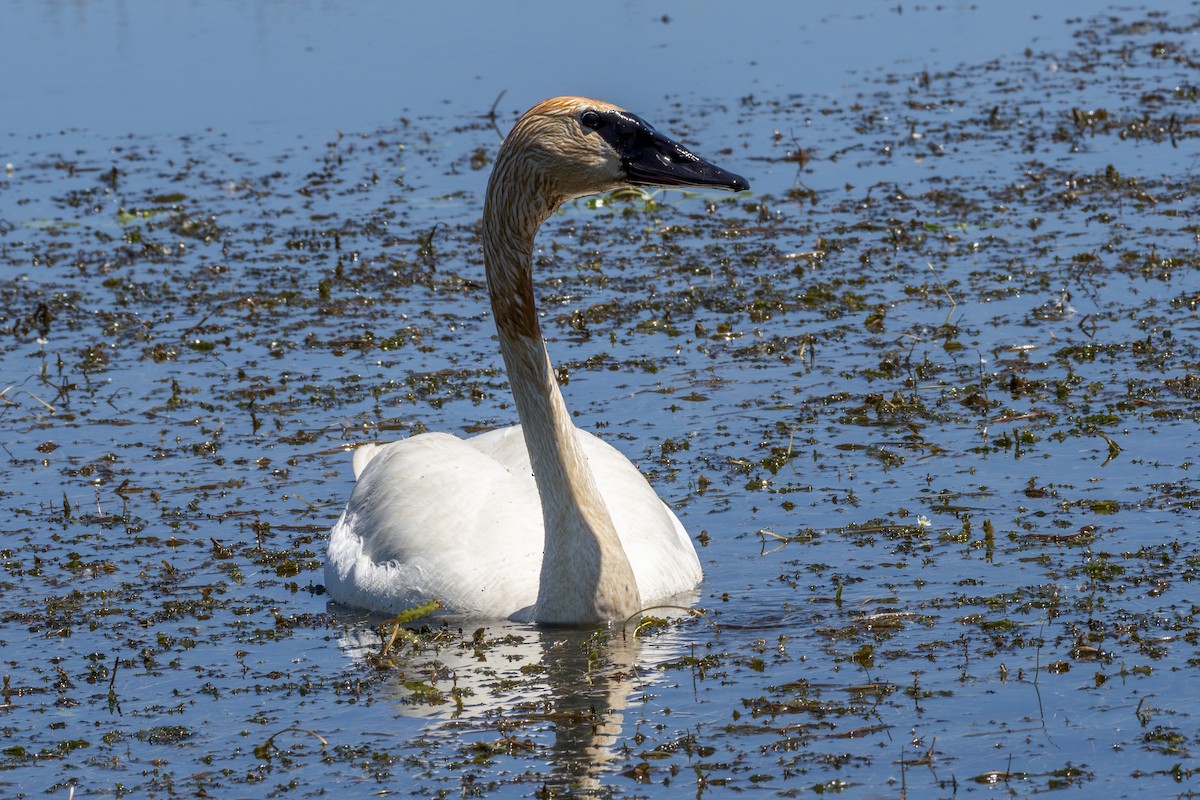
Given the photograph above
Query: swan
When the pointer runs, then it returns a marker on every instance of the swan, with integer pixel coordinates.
(540, 522)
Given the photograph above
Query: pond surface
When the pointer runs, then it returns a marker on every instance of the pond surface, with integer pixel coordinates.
(927, 396)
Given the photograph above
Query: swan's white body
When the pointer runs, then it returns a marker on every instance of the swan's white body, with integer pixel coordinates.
(482, 556)
(541, 521)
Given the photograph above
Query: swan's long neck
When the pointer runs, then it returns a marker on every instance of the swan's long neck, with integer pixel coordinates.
(586, 576)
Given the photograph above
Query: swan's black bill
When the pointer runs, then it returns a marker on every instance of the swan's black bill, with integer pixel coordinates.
(651, 159)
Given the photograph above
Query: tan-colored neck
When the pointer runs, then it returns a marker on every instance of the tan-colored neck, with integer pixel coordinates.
(586, 576)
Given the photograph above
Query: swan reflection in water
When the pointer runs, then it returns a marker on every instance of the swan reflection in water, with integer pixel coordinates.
(506, 686)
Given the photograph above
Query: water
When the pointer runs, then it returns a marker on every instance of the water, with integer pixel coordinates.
(287, 70)
(931, 395)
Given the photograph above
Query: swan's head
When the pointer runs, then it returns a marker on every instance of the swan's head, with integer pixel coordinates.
(574, 146)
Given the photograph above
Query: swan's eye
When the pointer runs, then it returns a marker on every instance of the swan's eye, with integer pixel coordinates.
(590, 119)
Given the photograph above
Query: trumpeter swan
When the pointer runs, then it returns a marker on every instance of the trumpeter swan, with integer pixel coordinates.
(540, 521)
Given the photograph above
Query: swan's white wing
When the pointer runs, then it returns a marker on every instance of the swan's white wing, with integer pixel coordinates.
(460, 520)
(433, 517)
(662, 556)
